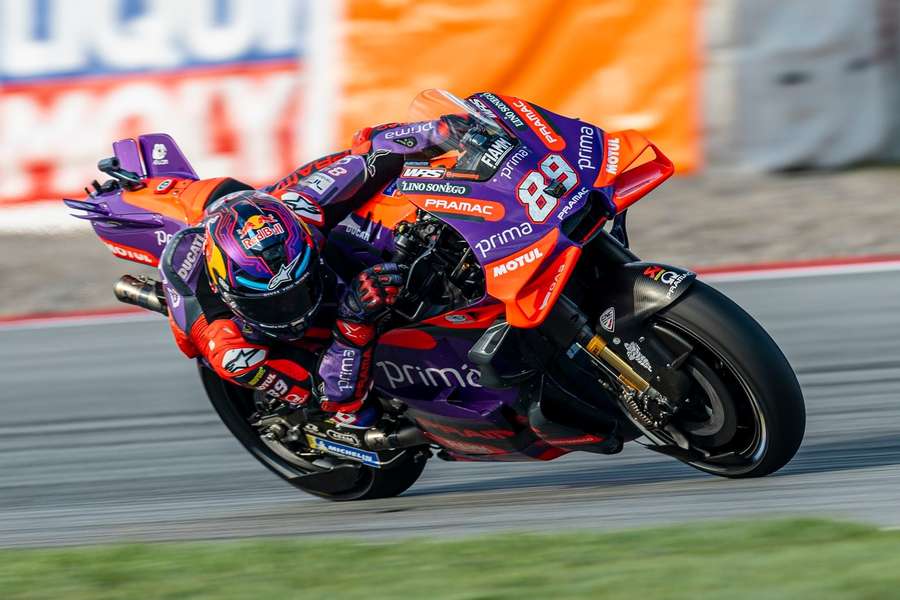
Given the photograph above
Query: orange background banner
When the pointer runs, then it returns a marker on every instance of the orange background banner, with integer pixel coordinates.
(620, 64)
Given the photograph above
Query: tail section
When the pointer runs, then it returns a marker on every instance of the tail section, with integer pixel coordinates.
(154, 155)
(154, 193)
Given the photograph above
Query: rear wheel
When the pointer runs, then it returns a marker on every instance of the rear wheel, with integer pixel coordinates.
(745, 409)
(349, 481)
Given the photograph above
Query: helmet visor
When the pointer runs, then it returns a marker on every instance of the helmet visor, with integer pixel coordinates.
(284, 309)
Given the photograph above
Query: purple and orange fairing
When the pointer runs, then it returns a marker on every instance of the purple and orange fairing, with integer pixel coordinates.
(528, 273)
(520, 236)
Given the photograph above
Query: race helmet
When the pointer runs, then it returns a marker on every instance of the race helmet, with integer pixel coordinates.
(263, 262)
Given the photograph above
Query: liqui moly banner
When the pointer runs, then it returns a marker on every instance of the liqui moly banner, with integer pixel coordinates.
(228, 79)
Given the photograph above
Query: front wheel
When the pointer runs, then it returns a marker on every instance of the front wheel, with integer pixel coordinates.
(745, 410)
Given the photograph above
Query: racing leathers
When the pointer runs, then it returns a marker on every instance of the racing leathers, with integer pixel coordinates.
(332, 362)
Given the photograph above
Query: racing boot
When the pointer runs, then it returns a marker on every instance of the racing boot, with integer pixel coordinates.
(366, 417)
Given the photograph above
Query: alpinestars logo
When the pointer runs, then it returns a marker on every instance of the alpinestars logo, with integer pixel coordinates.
(284, 274)
(373, 158)
(240, 359)
(303, 206)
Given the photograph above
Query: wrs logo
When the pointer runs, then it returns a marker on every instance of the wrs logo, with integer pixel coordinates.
(423, 172)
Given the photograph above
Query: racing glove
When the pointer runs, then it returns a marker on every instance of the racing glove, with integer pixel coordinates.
(371, 294)
(346, 366)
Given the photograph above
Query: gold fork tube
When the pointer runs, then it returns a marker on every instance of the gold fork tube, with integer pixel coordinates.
(598, 348)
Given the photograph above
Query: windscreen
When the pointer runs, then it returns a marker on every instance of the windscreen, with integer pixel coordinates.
(477, 143)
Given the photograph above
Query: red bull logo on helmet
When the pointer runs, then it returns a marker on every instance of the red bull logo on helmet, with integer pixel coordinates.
(258, 228)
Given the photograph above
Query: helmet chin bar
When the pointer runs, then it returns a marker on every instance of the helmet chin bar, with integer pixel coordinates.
(295, 329)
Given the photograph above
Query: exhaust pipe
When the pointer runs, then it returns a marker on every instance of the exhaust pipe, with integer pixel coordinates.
(405, 437)
(141, 291)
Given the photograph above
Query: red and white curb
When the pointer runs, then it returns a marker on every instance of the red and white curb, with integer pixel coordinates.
(728, 273)
(75, 318)
(50, 217)
(800, 268)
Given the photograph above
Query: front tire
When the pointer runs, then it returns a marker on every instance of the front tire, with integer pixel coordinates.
(751, 416)
(235, 404)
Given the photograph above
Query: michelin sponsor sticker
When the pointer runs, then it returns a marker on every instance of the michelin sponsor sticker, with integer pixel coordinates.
(363, 456)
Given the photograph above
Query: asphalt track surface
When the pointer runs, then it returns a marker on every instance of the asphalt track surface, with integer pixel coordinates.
(105, 435)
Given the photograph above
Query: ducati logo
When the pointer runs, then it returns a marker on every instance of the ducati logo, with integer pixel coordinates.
(608, 319)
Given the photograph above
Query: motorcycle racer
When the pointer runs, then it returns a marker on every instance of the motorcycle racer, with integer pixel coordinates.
(263, 309)
(503, 345)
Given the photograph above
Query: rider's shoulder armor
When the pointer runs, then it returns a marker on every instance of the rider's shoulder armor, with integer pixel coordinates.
(185, 261)
(315, 185)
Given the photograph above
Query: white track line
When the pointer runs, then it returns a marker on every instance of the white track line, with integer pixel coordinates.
(801, 272)
(51, 322)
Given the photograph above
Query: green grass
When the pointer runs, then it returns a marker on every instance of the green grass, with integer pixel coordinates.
(760, 560)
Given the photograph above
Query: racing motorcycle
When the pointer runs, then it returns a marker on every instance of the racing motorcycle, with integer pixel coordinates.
(527, 328)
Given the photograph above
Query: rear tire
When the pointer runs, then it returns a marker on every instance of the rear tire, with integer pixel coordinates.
(739, 371)
(235, 404)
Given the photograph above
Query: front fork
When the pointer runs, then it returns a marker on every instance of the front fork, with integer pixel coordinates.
(646, 407)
